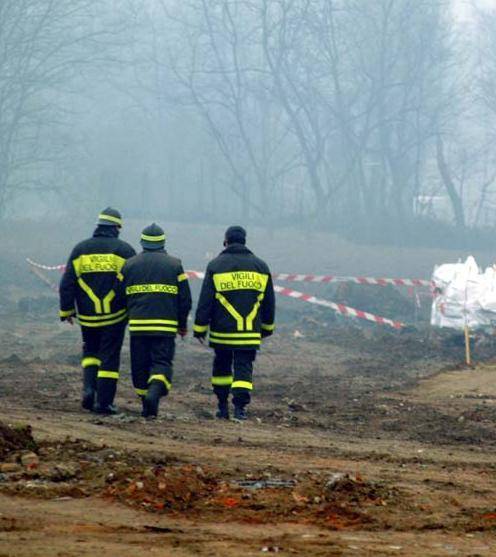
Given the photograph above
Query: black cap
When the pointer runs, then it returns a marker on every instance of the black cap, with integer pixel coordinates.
(153, 237)
(235, 235)
(110, 217)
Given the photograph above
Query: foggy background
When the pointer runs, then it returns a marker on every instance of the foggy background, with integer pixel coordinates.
(372, 120)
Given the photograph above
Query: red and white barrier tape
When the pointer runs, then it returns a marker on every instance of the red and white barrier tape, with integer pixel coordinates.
(296, 277)
(46, 267)
(357, 280)
(288, 292)
(339, 308)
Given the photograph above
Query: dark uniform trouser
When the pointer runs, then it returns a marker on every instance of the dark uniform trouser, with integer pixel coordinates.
(101, 359)
(233, 371)
(151, 361)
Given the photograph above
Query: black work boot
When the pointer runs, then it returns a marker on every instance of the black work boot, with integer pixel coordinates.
(152, 399)
(144, 411)
(222, 410)
(240, 413)
(89, 388)
(107, 410)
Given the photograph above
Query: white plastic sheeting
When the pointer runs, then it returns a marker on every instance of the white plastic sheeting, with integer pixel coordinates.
(463, 295)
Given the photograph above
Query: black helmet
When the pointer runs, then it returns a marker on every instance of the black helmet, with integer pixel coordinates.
(110, 217)
(235, 235)
(153, 237)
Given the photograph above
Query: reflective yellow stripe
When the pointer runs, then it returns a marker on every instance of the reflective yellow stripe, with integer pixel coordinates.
(200, 328)
(67, 313)
(107, 301)
(242, 385)
(253, 313)
(110, 218)
(153, 322)
(235, 335)
(231, 310)
(162, 378)
(266, 327)
(250, 342)
(182, 277)
(102, 317)
(240, 280)
(147, 238)
(102, 323)
(152, 289)
(222, 380)
(152, 328)
(98, 263)
(92, 296)
(89, 361)
(108, 374)
(141, 392)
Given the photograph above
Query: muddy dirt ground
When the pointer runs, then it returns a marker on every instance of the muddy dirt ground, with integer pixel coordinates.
(361, 441)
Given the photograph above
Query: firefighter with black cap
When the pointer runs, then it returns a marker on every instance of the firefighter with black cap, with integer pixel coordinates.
(237, 309)
(158, 300)
(87, 290)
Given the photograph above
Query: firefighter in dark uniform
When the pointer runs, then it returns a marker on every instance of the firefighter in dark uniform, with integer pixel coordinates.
(158, 300)
(237, 308)
(86, 289)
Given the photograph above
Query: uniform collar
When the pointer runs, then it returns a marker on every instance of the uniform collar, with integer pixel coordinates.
(236, 248)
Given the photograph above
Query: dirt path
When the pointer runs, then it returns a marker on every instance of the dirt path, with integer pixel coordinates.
(360, 443)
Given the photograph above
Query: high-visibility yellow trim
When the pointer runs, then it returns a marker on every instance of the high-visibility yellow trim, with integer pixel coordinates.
(231, 310)
(102, 317)
(153, 322)
(108, 374)
(147, 238)
(253, 313)
(107, 301)
(222, 380)
(152, 328)
(249, 342)
(240, 280)
(267, 327)
(90, 361)
(84, 323)
(141, 392)
(98, 263)
(110, 218)
(162, 378)
(200, 328)
(182, 277)
(235, 335)
(67, 313)
(152, 289)
(242, 385)
(92, 296)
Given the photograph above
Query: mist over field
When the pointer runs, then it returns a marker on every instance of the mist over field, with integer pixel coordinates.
(370, 120)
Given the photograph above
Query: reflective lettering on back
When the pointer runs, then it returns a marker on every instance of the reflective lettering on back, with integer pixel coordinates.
(240, 280)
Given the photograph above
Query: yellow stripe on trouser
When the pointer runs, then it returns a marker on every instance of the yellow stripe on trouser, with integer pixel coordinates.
(141, 392)
(89, 361)
(222, 380)
(162, 378)
(108, 374)
(242, 385)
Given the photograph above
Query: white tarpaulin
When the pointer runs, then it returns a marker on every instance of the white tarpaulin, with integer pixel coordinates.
(463, 295)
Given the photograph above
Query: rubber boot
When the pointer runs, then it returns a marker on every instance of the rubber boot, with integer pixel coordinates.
(144, 411)
(240, 413)
(105, 394)
(89, 387)
(222, 410)
(152, 399)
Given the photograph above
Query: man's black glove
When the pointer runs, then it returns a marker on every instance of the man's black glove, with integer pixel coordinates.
(266, 333)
